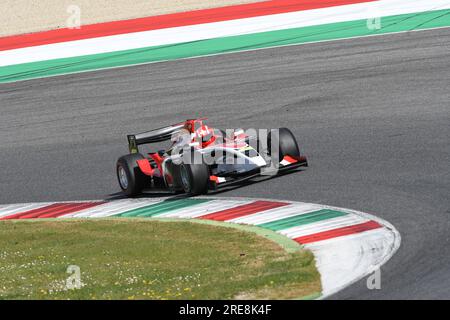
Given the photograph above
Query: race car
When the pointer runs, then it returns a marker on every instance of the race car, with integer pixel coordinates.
(201, 158)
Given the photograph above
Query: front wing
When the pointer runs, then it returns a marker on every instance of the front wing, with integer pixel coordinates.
(288, 163)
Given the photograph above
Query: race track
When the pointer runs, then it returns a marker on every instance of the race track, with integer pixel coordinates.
(372, 114)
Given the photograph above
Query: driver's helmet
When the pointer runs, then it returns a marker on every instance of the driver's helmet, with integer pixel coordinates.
(204, 135)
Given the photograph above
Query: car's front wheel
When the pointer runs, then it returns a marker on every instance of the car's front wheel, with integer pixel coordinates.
(287, 144)
(130, 177)
(194, 178)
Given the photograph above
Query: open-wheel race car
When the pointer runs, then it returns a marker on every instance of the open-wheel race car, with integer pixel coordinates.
(201, 158)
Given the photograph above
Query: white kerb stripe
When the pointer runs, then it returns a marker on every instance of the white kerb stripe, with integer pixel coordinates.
(277, 214)
(218, 29)
(111, 208)
(322, 226)
(204, 209)
(11, 209)
(343, 260)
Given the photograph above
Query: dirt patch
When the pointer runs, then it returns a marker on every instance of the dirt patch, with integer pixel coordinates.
(26, 16)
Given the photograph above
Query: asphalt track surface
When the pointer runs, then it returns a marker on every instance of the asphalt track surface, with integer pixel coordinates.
(372, 114)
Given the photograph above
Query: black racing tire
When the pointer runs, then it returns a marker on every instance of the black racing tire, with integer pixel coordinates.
(287, 144)
(131, 179)
(194, 178)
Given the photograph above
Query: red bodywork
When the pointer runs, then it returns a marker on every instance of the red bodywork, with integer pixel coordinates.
(198, 130)
(152, 166)
(213, 147)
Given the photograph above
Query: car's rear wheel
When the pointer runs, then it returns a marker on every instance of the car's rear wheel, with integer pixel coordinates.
(130, 177)
(194, 178)
(287, 144)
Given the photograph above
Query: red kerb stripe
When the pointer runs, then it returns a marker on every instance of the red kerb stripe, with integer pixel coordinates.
(357, 228)
(168, 21)
(243, 210)
(52, 211)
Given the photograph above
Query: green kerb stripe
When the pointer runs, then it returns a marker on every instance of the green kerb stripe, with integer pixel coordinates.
(162, 207)
(341, 30)
(302, 219)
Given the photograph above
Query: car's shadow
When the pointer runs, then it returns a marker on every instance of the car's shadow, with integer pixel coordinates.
(260, 179)
(175, 196)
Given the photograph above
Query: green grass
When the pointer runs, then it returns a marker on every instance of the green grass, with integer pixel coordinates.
(145, 259)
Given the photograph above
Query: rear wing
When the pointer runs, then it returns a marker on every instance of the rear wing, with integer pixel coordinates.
(157, 135)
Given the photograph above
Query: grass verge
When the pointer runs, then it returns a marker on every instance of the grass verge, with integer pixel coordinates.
(145, 259)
